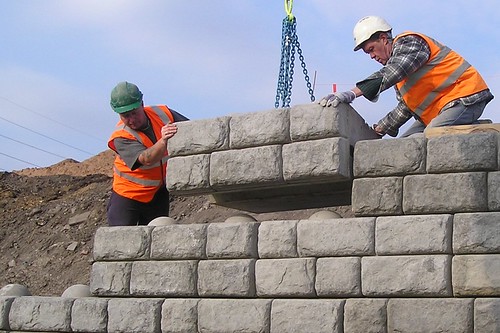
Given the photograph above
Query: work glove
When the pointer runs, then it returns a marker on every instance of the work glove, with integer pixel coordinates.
(337, 98)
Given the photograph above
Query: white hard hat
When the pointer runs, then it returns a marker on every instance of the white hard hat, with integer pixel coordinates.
(366, 27)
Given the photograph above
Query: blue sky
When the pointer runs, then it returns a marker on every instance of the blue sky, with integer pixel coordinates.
(60, 59)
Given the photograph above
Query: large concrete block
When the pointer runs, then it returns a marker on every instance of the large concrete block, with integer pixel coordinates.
(430, 315)
(445, 193)
(259, 129)
(367, 315)
(338, 277)
(336, 237)
(397, 157)
(494, 190)
(232, 240)
(37, 313)
(249, 167)
(189, 174)
(122, 243)
(307, 315)
(406, 276)
(89, 314)
(110, 278)
(476, 275)
(487, 315)
(134, 315)
(417, 234)
(377, 196)
(200, 136)
(234, 315)
(278, 239)
(226, 278)
(164, 278)
(312, 121)
(179, 241)
(5, 304)
(285, 277)
(317, 160)
(179, 315)
(464, 153)
(476, 233)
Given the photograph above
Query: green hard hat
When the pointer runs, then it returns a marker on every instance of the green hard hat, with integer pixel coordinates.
(125, 97)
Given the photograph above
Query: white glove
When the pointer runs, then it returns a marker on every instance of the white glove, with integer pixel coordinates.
(337, 98)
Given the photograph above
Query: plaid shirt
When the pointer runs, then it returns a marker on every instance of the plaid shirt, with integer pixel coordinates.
(409, 53)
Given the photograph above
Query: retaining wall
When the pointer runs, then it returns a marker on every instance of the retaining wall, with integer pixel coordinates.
(421, 255)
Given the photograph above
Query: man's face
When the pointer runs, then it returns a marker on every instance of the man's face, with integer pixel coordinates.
(379, 50)
(135, 119)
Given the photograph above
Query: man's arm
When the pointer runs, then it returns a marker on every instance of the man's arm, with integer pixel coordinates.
(156, 152)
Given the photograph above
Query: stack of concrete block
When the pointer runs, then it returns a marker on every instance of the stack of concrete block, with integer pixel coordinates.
(269, 161)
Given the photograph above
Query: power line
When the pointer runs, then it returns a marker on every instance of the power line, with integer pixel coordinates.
(48, 137)
(17, 159)
(26, 144)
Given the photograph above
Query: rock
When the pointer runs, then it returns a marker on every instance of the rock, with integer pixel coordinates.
(76, 291)
(162, 220)
(14, 290)
(325, 215)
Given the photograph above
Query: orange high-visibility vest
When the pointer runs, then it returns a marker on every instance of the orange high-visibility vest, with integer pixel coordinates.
(142, 183)
(445, 77)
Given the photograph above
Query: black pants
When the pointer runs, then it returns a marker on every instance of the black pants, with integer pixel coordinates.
(123, 211)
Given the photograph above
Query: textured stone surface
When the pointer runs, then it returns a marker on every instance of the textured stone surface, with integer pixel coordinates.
(5, 304)
(367, 315)
(377, 196)
(234, 315)
(430, 315)
(179, 241)
(134, 315)
(476, 233)
(36, 313)
(278, 239)
(232, 240)
(226, 278)
(406, 276)
(89, 314)
(390, 157)
(476, 275)
(487, 315)
(122, 243)
(110, 278)
(189, 174)
(338, 277)
(445, 193)
(417, 234)
(179, 315)
(494, 190)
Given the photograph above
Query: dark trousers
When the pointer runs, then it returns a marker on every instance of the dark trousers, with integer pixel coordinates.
(123, 211)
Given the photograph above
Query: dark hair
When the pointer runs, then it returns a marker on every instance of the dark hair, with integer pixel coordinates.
(377, 34)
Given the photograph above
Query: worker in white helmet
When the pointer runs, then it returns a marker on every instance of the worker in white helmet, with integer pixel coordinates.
(433, 83)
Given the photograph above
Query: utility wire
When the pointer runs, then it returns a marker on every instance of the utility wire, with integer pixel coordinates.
(23, 143)
(48, 118)
(48, 137)
(17, 159)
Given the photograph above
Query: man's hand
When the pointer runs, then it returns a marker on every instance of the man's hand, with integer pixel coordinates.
(337, 98)
(378, 130)
(168, 131)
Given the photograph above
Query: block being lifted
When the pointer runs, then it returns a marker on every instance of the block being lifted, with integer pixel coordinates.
(275, 160)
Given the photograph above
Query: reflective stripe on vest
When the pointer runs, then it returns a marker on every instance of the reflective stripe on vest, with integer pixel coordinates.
(140, 181)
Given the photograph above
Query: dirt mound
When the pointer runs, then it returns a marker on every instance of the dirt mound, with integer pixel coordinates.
(48, 218)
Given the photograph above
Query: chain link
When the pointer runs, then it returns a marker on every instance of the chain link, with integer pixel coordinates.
(289, 44)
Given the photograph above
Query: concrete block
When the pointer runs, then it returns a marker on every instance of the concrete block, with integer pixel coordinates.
(232, 240)
(417, 234)
(37, 313)
(312, 121)
(476, 233)
(278, 239)
(285, 277)
(179, 315)
(336, 237)
(445, 193)
(164, 278)
(494, 191)
(89, 314)
(464, 153)
(377, 196)
(317, 160)
(189, 174)
(200, 137)
(110, 278)
(368, 315)
(122, 243)
(234, 315)
(476, 275)
(5, 304)
(406, 276)
(338, 277)
(259, 129)
(134, 315)
(383, 158)
(226, 278)
(307, 315)
(179, 241)
(487, 315)
(249, 167)
(430, 315)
